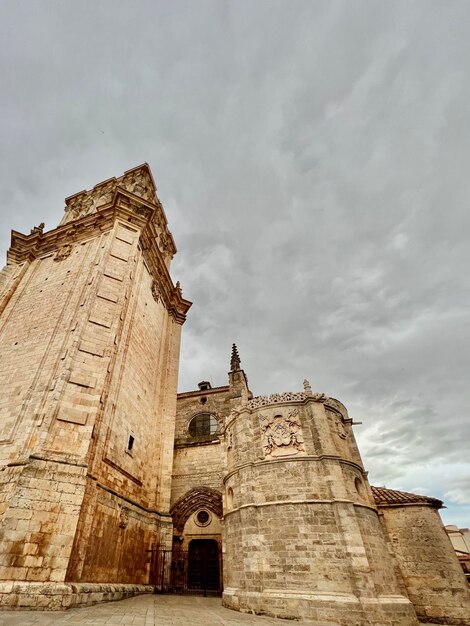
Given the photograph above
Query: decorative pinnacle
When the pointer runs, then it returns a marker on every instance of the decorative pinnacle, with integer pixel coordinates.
(307, 388)
(235, 360)
(38, 229)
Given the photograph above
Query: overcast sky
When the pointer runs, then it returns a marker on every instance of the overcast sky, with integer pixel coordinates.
(313, 160)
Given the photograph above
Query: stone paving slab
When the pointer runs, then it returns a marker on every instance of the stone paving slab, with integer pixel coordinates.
(149, 610)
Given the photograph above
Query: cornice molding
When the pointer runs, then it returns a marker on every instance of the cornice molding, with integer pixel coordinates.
(155, 242)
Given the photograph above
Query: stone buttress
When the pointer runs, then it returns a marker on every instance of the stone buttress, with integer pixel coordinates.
(302, 533)
(90, 327)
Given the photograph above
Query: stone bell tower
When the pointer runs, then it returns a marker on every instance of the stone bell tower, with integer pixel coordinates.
(90, 325)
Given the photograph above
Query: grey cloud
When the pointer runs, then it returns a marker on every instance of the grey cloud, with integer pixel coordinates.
(311, 158)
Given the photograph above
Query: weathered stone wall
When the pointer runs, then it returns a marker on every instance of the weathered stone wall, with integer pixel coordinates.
(131, 454)
(199, 462)
(202, 461)
(302, 535)
(432, 574)
(215, 401)
(42, 486)
(36, 335)
(89, 350)
(41, 509)
(198, 465)
(119, 538)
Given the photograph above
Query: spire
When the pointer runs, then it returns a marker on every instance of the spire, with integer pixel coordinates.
(307, 388)
(235, 360)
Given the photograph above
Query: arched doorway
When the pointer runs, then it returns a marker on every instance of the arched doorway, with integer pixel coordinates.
(203, 565)
(194, 563)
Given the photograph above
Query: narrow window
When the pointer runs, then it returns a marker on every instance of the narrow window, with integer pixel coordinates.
(130, 443)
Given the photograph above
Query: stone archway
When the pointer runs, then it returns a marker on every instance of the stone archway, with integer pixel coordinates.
(197, 540)
(195, 499)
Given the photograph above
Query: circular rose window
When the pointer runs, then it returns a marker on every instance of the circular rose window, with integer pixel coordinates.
(203, 518)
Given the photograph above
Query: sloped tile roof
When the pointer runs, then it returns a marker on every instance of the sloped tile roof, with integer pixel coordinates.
(392, 497)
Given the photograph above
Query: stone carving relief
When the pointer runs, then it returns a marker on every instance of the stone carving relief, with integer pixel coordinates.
(288, 396)
(341, 430)
(38, 229)
(164, 242)
(275, 398)
(140, 210)
(103, 194)
(282, 436)
(63, 253)
(155, 291)
(78, 206)
(139, 182)
(123, 517)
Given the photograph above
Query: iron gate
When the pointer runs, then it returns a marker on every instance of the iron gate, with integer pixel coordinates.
(195, 571)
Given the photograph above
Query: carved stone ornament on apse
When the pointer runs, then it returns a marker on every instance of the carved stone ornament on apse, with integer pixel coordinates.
(63, 253)
(276, 398)
(123, 517)
(341, 430)
(155, 291)
(282, 436)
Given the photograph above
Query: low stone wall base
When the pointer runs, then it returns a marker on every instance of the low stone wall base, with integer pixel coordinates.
(61, 596)
(328, 609)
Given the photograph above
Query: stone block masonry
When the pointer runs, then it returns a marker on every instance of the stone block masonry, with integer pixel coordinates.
(303, 537)
(89, 343)
(111, 483)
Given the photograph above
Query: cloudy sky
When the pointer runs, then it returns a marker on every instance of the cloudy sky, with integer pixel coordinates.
(313, 160)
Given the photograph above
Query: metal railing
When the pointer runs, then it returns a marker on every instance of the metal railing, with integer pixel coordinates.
(186, 572)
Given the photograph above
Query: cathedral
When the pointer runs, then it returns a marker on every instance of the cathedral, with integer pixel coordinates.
(112, 484)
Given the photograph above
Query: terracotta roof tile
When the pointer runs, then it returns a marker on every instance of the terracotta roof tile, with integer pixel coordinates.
(392, 497)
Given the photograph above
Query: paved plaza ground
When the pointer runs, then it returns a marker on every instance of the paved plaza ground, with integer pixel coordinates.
(150, 610)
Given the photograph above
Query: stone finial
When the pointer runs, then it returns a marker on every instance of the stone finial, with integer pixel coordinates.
(307, 388)
(178, 287)
(235, 359)
(38, 229)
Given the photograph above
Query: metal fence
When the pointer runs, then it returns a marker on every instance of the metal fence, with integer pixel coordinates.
(196, 571)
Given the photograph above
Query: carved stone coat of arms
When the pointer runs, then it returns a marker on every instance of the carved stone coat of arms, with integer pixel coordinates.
(282, 436)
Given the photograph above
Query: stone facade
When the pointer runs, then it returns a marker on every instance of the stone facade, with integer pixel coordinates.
(89, 337)
(424, 554)
(106, 474)
(302, 533)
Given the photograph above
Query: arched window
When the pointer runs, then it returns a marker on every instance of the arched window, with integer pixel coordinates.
(359, 486)
(202, 425)
(229, 498)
